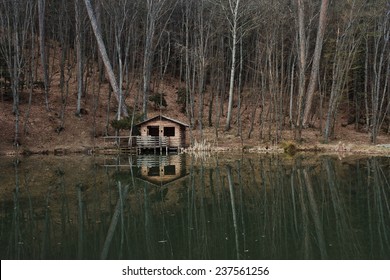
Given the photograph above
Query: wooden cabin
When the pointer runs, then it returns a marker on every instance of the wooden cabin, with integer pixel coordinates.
(161, 133)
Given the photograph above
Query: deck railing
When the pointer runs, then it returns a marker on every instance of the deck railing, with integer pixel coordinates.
(151, 142)
(145, 142)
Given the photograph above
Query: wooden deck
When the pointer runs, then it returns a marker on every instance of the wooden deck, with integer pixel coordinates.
(151, 143)
(141, 143)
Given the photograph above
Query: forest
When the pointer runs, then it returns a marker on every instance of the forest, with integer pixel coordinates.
(255, 68)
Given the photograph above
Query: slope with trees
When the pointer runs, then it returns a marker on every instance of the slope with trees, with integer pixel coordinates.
(273, 70)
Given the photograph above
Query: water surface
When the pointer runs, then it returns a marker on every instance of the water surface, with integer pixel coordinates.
(150, 207)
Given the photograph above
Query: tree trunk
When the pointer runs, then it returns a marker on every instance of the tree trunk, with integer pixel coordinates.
(15, 20)
(380, 80)
(316, 61)
(79, 56)
(346, 48)
(239, 122)
(147, 67)
(302, 65)
(234, 30)
(42, 39)
(106, 60)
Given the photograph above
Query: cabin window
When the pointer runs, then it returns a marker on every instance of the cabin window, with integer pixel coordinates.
(154, 171)
(153, 130)
(170, 170)
(169, 131)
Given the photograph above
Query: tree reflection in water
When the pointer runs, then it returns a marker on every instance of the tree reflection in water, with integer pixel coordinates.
(249, 207)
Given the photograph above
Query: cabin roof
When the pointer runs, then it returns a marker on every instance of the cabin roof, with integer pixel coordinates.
(163, 117)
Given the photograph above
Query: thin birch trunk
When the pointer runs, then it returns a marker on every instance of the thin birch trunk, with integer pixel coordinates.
(234, 28)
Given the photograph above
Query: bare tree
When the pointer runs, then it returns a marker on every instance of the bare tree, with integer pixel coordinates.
(123, 13)
(106, 60)
(155, 10)
(42, 46)
(15, 19)
(237, 14)
(346, 45)
(79, 55)
(316, 61)
(202, 39)
(233, 16)
(301, 64)
(380, 81)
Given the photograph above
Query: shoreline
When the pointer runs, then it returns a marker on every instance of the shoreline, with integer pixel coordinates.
(289, 148)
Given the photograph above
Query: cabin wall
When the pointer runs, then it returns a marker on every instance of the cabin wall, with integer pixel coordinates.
(178, 140)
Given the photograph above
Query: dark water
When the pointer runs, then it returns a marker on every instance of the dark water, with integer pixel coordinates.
(244, 207)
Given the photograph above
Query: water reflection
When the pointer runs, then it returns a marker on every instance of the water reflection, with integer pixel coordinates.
(252, 207)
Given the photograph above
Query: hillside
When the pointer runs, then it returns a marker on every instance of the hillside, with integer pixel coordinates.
(39, 132)
(248, 78)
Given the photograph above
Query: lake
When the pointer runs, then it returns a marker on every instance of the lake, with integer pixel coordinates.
(185, 207)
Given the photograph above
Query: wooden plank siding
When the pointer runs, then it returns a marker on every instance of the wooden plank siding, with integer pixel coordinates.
(161, 132)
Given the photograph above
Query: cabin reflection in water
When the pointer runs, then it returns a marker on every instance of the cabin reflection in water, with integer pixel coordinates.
(161, 170)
